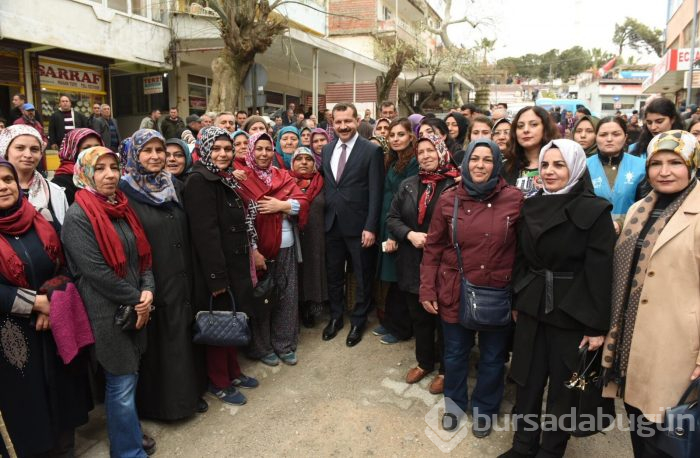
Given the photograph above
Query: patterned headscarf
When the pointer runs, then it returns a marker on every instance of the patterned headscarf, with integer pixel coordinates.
(430, 179)
(304, 150)
(440, 146)
(382, 142)
(205, 142)
(264, 174)
(575, 159)
(278, 146)
(155, 187)
(679, 142)
(318, 131)
(84, 172)
(14, 131)
(71, 142)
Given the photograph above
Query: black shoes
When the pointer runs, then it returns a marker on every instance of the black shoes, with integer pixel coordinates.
(308, 320)
(202, 405)
(331, 330)
(450, 421)
(354, 336)
(149, 445)
(481, 427)
(513, 454)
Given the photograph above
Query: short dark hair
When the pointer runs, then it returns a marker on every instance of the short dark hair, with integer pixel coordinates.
(471, 107)
(502, 104)
(584, 110)
(153, 110)
(242, 111)
(344, 107)
(21, 96)
(387, 103)
(174, 108)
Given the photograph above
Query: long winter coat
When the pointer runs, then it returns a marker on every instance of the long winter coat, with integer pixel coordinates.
(170, 354)
(666, 341)
(314, 284)
(402, 219)
(486, 236)
(565, 234)
(119, 352)
(219, 240)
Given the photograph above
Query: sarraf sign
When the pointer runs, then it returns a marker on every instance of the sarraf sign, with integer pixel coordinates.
(63, 75)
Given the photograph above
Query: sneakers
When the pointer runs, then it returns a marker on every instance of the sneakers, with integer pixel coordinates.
(243, 381)
(380, 331)
(229, 395)
(270, 360)
(389, 339)
(289, 358)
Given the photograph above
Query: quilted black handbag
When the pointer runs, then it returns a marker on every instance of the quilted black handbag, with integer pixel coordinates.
(480, 307)
(221, 328)
(680, 435)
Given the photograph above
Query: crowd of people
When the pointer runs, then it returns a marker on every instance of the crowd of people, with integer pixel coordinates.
(588, 239)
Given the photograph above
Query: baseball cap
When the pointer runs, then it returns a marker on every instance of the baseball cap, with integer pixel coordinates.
(28, 106)
(192, 118)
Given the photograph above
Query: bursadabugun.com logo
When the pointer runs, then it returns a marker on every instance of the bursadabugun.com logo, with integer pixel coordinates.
(445, 440)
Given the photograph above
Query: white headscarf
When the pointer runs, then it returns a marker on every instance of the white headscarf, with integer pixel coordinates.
(575, 159)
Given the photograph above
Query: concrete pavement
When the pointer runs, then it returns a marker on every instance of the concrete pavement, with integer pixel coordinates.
(337, 401)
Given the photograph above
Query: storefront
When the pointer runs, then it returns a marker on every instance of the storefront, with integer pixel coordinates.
(83, 83)
(11, 74)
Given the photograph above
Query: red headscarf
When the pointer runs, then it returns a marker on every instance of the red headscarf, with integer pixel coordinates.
(430, 179)
(18, 222)
(100, 211)
(310, 184)
(281, 186)
(69, 148)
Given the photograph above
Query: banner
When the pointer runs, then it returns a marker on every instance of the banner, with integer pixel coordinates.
(60, 75)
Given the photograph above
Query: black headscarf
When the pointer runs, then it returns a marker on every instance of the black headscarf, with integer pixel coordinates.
(462, 124)
(482, 190)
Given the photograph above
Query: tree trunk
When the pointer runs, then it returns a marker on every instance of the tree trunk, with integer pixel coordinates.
(227, 83)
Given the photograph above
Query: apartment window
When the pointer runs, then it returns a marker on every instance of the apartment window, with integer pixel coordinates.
(119, 5)
(386, 13)
(198, 90)
(150, 9)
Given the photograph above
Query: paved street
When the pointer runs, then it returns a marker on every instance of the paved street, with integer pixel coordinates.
(337, 401)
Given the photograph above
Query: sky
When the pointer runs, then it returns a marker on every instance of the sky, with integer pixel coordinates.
(536, 26)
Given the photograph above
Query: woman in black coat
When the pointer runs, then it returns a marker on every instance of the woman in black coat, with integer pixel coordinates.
(222, 235)
(408, 221)
(562, 281)
(154, 195)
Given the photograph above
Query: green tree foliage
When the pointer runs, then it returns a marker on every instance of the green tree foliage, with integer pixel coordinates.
(637, 36)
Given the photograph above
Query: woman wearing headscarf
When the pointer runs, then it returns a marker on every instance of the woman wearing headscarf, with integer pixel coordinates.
(381, 141)
(565, 245)
(500, 134)
(584, 133)
(42, 399)
(313, 285)
(400, 164)
(254, 125)
(616, 175)
(21, 146)
(274, 195)
(381, 128)
(178, 158)
(108, 252)
(240, 150)
(319, 139)
(651, 352)
(408, 219)
(458, 128)
(305, 137)
(155, 197)
(222, 237)
(437, 126)
(73, 143)
(415, 120)
(487, 216)
(288, 141)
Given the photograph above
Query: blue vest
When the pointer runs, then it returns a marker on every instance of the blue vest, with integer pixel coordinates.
(631, 172)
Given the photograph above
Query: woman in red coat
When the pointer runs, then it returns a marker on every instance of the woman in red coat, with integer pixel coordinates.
(486, 217)
(274, 195)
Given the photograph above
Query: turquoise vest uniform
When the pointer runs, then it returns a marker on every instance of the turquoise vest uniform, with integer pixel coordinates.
(631, 172)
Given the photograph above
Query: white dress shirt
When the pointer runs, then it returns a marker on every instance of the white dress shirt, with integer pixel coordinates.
(335, 158)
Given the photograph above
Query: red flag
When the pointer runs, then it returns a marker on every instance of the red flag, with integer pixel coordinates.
(607, 67)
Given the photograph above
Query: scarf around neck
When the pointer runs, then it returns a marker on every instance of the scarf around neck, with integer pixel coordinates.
(205, 143)
(311, 184)
(69, 148)
(444, 171)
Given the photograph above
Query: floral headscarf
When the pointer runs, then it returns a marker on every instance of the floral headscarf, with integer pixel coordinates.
(318, 131)
(264, 174)
(8, 135)
(382, 142)
(278, 146)
(156, 188)
(679, 142)
(307, 151)
(84, 172)
(205, 142)
(430, 179)
(444, 156)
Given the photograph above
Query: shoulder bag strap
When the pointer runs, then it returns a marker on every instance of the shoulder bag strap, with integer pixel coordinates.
(455, 243)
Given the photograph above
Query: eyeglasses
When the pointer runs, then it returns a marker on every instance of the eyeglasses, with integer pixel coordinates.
(497, 133)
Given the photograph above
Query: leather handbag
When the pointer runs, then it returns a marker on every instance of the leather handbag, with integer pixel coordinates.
(680, 435)
(581, 408)
(125, 318)
(480, 307)
(221, 328)
(266, 289)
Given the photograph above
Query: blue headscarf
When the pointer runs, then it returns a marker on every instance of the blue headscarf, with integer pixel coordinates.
(481, 190)
(185, 149)
(278, 145)
(154, 188)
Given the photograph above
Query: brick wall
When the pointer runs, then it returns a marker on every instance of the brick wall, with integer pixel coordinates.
(360, 16)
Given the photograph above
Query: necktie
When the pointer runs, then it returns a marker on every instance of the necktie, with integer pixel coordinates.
(343, 159)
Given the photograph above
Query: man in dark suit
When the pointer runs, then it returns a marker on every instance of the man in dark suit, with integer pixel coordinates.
(62, 120)
(354, 176)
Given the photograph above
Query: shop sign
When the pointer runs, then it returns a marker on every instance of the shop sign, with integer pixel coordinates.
(65, 75)
(152, 85)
